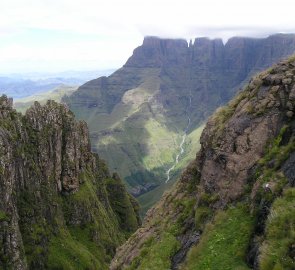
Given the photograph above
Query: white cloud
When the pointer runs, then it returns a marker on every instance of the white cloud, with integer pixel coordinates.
(117, 27)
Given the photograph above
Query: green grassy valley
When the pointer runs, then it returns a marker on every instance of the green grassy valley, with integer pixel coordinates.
(148, 199)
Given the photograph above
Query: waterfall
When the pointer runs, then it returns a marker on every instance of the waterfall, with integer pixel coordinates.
(181, 149)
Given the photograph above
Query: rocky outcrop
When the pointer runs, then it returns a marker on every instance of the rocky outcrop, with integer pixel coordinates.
(241, 178)
(170, 73)
(56, 200)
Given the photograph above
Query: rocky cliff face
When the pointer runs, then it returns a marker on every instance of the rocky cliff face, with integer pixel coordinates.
(233, 207)
(137, 116)
(60, 207)
(156, 53)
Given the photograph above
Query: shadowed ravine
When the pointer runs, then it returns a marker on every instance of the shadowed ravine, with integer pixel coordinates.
(181, 149)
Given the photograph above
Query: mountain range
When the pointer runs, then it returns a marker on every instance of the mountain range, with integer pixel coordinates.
(29, 84)
(159, 100)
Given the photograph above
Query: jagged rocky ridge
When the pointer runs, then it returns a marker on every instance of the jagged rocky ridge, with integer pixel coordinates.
(60, 207)
(138, 113)
(234, 205)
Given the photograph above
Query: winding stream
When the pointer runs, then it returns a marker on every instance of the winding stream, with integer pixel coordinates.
(181, 149)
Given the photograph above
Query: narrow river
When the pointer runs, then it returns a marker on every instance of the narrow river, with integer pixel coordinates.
(181, 149)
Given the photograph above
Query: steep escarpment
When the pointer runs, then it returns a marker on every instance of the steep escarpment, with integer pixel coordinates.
(57, 208)
(233, 207)
(138, 115)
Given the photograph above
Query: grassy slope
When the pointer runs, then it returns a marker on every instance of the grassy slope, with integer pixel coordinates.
(135, 137)
(74, 247)
(191, 146)
(156, 254)
(224, 242)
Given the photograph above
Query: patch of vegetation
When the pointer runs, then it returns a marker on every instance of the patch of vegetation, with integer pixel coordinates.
(206, 199)
(87, 208)
(3, 216)
(147, 200)
(291, 59)
(224, 243)
(186, 207)
(269, 165)
(202, 214)
(278, 250)
(277, 152)
(157, 253)
(10, 124)
(35, 243)
(121, 205)
(191, 147)
(65, 252)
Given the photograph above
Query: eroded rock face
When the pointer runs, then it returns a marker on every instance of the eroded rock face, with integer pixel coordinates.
(234, 144)
(49, 180)
(226, 169)
(154, 52)
(64, 148)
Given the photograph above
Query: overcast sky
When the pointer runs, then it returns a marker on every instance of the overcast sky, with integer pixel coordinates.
(58, 35)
